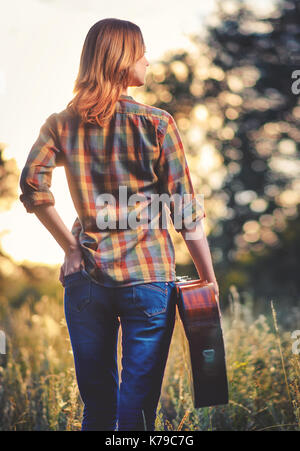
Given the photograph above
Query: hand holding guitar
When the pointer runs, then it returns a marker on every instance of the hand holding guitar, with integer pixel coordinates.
(199, 309)
(200, 253)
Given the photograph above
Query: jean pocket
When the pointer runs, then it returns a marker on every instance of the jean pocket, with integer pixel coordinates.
(74, 277)
(77, 291)
(151, 297)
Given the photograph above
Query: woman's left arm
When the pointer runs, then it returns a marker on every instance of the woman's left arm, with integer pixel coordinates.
(35, 183)
(49, 217)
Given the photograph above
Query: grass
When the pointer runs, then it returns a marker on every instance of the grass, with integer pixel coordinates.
(38, 389)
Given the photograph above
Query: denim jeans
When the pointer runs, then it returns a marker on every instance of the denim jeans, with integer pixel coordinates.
(94, 313)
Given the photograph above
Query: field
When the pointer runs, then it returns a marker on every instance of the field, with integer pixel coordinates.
(38, 389)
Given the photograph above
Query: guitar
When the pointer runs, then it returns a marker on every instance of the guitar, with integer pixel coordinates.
(200, 320)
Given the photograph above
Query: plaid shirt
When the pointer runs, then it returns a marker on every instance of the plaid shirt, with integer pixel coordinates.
(140, 149)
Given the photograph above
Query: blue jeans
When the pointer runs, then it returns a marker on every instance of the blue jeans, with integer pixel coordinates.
(93, 313)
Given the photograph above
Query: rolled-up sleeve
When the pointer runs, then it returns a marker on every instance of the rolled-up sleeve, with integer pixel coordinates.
(36, 176)
(174, 178)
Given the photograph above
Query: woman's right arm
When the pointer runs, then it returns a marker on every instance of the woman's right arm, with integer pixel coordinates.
(174, 176)
(197, 244)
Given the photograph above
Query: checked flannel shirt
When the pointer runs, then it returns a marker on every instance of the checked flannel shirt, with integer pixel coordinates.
(140, 150)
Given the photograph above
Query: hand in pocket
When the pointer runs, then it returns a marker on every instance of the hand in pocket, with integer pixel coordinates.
(72, 263)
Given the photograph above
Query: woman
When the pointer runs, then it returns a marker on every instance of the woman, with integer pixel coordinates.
(112, 146)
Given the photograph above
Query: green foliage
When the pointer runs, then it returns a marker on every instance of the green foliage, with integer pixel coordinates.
(259, 395)
(233, 101)
(38, 390)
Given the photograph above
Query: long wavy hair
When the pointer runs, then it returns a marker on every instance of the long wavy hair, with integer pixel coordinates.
(111, 48)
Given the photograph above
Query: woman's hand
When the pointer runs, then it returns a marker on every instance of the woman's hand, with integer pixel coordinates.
(72, 262)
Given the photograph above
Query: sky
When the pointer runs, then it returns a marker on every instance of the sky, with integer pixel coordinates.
(41, 43)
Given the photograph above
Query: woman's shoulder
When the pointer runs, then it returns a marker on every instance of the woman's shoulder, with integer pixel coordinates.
(160, 116)
(133, 105)
(63, 117)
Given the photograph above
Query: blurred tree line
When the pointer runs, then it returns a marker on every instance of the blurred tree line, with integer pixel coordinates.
(232, 99)
(233, 102)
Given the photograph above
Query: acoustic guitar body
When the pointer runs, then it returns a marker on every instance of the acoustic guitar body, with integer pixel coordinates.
(201, 320)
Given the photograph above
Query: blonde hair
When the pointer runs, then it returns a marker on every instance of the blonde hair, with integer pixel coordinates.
(110, 49)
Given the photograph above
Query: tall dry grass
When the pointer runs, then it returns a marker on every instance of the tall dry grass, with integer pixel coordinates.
(38, 389)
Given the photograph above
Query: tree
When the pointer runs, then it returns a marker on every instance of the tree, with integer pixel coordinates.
(232, 99)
